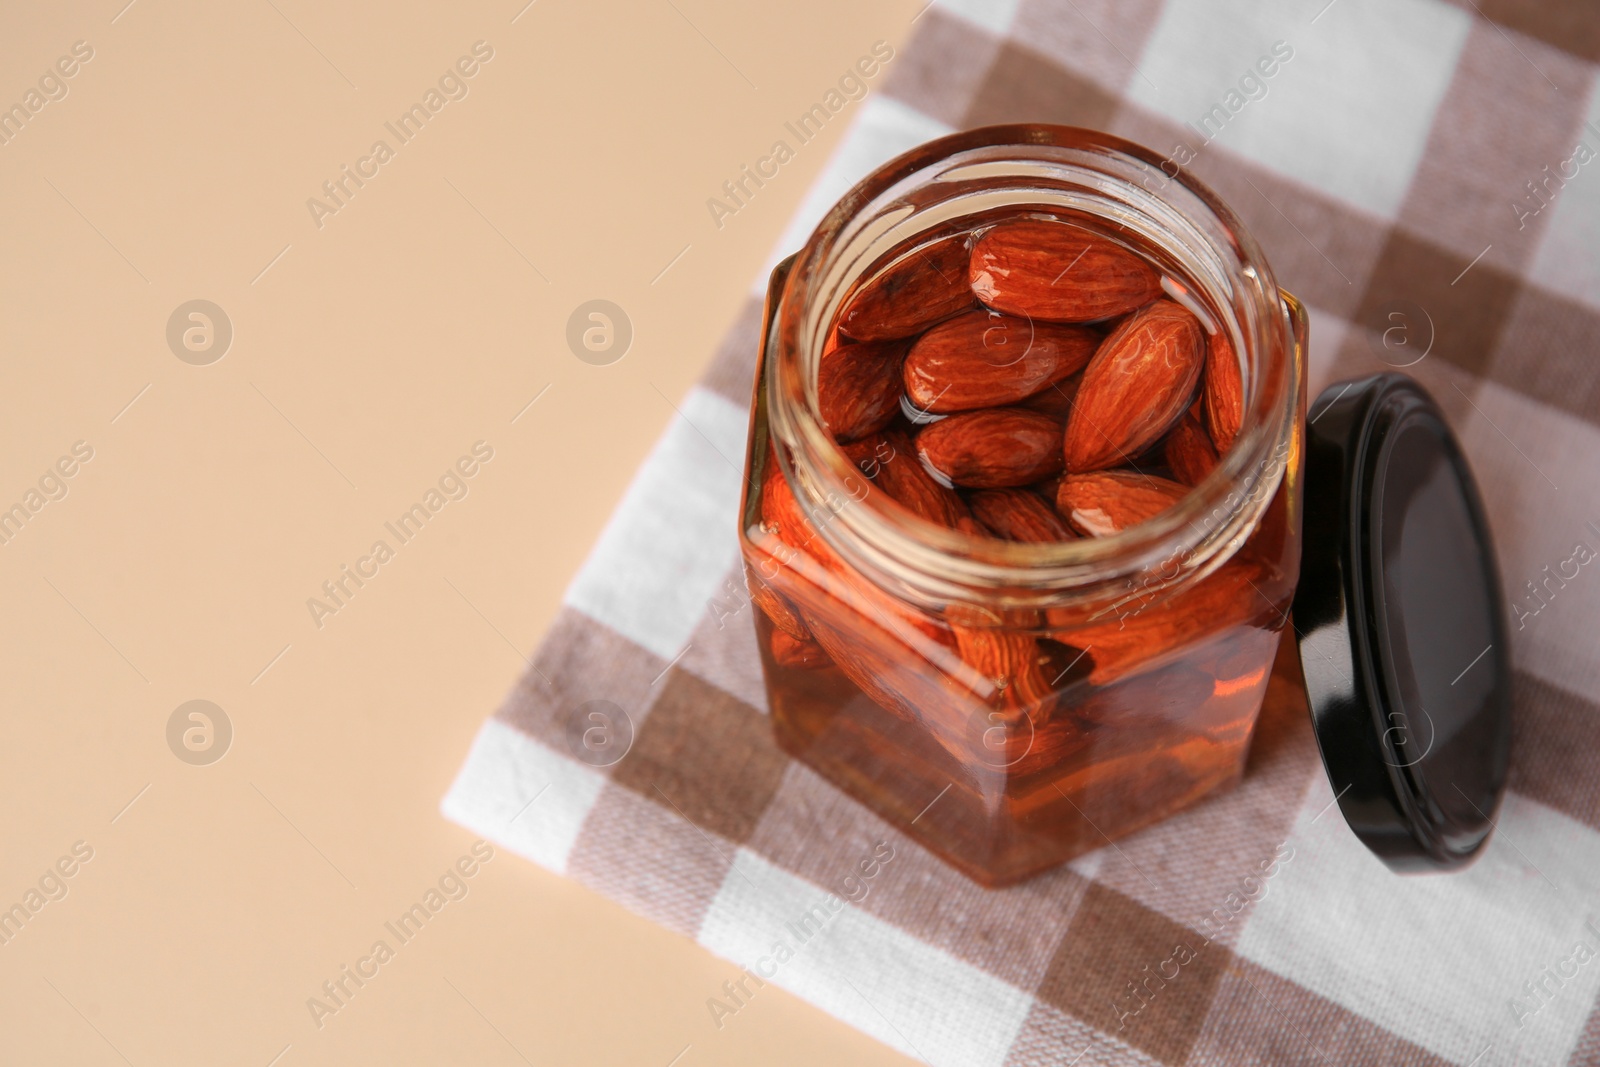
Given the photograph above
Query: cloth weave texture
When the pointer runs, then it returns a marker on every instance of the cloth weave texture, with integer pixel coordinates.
(1407, 150)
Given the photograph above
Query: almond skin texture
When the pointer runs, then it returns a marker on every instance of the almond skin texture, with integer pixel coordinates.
(1188, 451)
(1224, 392)
(1018, 515)
(858, 389)
(890, 461)
(1103, 503)
(985, 360)
(1135, 387)
(925, 287)
(1058, 272)
(993, 449)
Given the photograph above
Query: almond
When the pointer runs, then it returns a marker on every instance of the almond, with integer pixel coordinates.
(932, 695)
(1059, 272)
(984, 360)
(1011, 663)
(784, 615)
(1224, 392)
(858, 388)
(1146, 631)
(890, 461)
(838, 588)
(928, 285)
(992, 449)
(797, 653)
(1018, 515)
(1103, 503)
(1055, 400)
(869, 664)
(780, 511)
(1188, 451)
(1135, 387)
(904, 660)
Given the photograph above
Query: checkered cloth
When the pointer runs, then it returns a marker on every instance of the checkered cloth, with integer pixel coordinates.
(1389, 159)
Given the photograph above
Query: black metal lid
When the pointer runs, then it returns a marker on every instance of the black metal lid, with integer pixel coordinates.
(1401, 625)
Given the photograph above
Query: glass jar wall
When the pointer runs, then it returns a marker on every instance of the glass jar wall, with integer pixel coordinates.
(1013, 703)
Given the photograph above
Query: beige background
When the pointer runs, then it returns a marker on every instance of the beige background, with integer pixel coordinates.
(367, 355)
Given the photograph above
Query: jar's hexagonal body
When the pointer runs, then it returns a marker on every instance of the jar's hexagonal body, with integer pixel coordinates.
(1014, 707)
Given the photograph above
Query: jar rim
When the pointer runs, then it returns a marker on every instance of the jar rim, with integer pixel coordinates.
(1140, 191)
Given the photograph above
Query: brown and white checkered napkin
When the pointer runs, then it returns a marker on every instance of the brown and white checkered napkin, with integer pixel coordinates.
(1400, 150)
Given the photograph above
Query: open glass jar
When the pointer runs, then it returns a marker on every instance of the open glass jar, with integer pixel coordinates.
(1014, 703)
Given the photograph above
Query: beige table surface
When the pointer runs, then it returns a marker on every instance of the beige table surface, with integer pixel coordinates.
(368, 354)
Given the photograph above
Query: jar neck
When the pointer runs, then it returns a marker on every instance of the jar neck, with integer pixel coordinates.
(953, 184)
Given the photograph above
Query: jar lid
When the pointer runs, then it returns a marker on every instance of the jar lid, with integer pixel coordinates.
(1401, 626)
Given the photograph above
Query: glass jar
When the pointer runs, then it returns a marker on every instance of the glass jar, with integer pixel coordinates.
(1013, 704)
